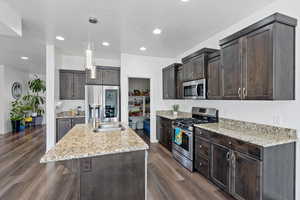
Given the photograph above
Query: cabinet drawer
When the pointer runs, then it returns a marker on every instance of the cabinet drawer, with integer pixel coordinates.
(202, 166)
(251, 150)
(200, 133)
(202, 148)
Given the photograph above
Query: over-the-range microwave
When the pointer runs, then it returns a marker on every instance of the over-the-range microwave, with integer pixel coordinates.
(194, 89)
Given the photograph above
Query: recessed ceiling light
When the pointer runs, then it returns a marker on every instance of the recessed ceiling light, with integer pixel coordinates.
(156, 31)
(185, 0)
(143, 48)
(106, 44)
(60, 38)
(24, 58)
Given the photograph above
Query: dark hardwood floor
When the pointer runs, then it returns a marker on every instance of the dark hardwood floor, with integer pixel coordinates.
(23, 177)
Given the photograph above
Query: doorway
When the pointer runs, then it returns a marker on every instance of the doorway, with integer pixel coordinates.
(139, 106)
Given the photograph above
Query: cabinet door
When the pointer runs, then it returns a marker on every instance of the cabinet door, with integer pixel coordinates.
(158, 129)
(232, 75)
(166, 133)
(179, 81)
(63, 127)
(188, 71)
(165, 84)
(66, 85)
(198, 71)
(245, 185)
(97, 80)
(79, 83)
(220, 166)
(110, 77)
(171, 90)
(258, 64)
(78, 120)
(214, 79)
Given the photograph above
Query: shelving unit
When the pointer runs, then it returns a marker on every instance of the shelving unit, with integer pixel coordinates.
(139, 109)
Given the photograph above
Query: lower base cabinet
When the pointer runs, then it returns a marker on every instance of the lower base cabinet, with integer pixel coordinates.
(64, 125)
(164, 132)
(246, 171)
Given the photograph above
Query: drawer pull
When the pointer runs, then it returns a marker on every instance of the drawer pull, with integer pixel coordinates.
(230, 143)
(200, 146)
(200, 132)
(200, 164)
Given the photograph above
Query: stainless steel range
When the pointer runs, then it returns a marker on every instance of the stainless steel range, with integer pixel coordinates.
(183, 134)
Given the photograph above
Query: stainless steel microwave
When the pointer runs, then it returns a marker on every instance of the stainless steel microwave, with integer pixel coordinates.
(194, 89)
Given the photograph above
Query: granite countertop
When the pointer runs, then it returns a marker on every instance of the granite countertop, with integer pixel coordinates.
(259, 134)
(169, 114)
(68, 114)
(82, 142)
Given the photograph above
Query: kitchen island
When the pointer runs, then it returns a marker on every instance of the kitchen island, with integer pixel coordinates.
(109, 164)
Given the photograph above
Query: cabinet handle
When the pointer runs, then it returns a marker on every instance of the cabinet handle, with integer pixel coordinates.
(200, 146)
(200, 133)
(239, 92)
(229, 142)
(244, 92)
(228, 156)
(200, 164)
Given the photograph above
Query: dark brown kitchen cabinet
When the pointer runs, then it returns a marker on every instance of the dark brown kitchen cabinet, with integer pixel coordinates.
(170, 81)
(104, 76)
(179, 81)
(64, 125)
(245, 170)
(71, 85)
(195, 65)
(214, 76)
(245, 185)
(164, 132)
(220, 166)
(259, 61)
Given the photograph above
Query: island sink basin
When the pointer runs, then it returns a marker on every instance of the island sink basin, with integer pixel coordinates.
(109, 127)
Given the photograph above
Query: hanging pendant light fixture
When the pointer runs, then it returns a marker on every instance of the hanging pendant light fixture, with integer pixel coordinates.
(89, 61)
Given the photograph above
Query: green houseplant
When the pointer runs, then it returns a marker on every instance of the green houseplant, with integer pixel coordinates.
(17, 114)
(175, 108)
(34, 100)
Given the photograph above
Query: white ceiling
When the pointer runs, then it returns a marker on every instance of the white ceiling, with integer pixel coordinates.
(125, 24)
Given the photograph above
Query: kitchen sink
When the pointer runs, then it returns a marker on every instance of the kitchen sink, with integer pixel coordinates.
(109, 127)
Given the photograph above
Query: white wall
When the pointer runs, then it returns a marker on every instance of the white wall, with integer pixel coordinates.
(9, 75)
(134, 66)
(76, 63)
(281, 113)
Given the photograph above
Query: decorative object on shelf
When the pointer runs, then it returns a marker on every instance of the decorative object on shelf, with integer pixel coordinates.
(34, 100)
(175, 109)
(16, 90)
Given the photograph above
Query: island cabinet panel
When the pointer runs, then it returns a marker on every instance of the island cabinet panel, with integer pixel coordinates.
(71, 85)
(170, 81)
(63, 126)
(214, 77)
(164, 132)
(246, 171)
(259, 61)
(113, 177)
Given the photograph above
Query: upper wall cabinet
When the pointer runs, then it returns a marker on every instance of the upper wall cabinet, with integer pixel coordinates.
(170, 81)
(104, 76)
(258, 62)
(214, 76)
(71, 85)
(195, 65)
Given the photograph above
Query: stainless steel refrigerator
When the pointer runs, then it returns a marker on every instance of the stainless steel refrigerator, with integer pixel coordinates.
(102, 102)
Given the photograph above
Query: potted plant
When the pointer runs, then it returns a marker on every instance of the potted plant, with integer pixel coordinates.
(17, 115)
(34, 100)
(175, 109)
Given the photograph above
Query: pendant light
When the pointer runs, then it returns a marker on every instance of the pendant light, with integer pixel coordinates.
(89, 61)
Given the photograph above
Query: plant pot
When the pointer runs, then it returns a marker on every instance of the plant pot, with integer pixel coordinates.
(34, 114)
(16, 124)
(175, 113)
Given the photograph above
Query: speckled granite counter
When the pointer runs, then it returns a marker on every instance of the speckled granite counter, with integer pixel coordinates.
(262, 135)
(169, 114)
(82, 142)
(67, 114)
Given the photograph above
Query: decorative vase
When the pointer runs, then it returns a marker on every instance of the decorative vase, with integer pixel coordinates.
(175, 113)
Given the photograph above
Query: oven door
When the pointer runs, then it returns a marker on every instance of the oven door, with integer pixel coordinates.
(186, 147)
(194, 89)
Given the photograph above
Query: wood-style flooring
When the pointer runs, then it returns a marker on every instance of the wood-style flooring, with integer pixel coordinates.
(22, 177)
